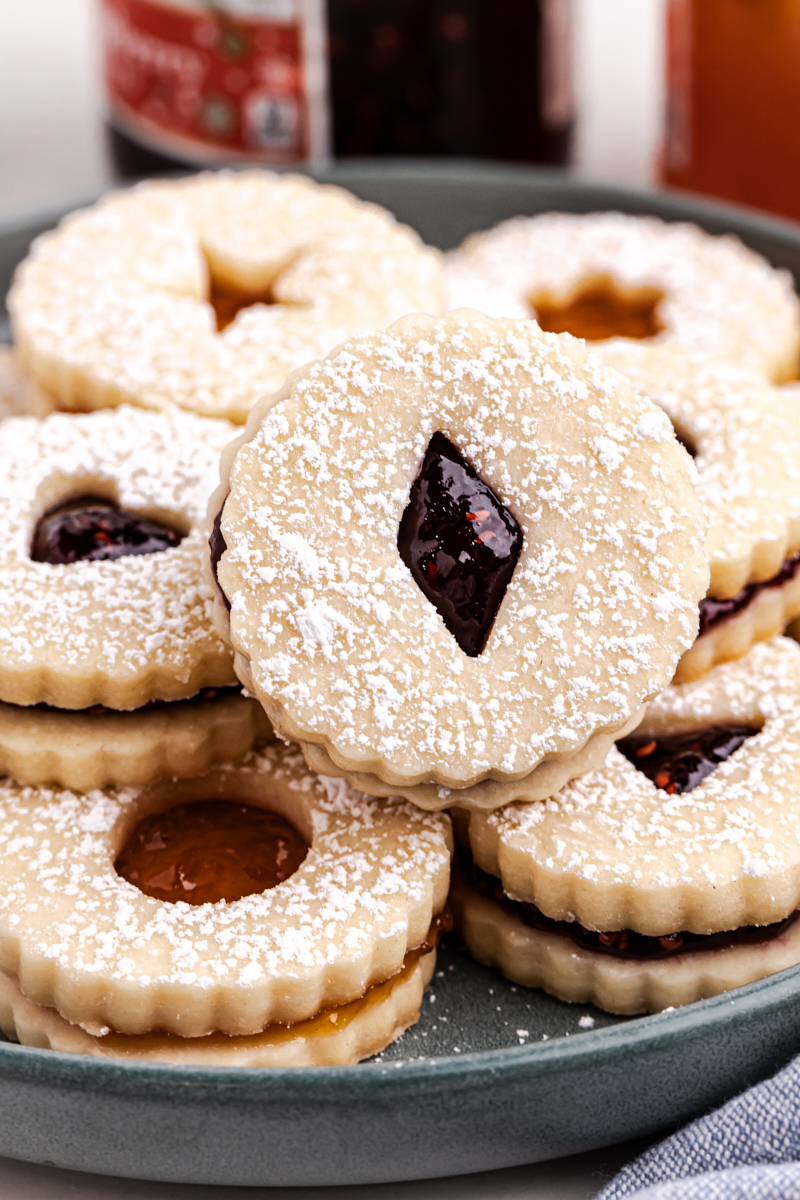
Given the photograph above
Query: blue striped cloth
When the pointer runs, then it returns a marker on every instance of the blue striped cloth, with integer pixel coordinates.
(747, 1150)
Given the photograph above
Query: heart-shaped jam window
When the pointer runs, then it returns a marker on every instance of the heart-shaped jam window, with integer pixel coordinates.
(95, 529)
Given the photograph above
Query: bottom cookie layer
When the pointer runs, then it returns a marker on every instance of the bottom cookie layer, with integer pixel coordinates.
(544, 781)
(535, 958)
(766, 616)
(87, 749)
(336, 1037)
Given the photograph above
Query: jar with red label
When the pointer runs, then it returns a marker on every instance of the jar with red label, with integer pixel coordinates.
(201, 83)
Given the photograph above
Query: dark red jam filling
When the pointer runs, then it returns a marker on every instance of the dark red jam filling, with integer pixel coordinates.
(95, 529)
(620, 943)
(714, 612)
(459, 542)
(99, 710)
(209, 851)
(679, 763)
(217, 546)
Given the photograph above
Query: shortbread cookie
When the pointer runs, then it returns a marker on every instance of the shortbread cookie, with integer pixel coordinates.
(12, 386)
(575, 966)
(745, 437)
(338, 1036)
(98, 747)
(205, 292)
(542, 782)
(458, 551)
(19, 395)
(608, 275)
(155, 909)
(689, 832)
(76, 630)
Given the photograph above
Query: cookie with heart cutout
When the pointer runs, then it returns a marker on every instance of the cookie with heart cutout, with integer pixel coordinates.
(250, 899)
(744, 435)
(205, 292)
(103, 593)
(457, 554)
(610, 276)
(670, 874)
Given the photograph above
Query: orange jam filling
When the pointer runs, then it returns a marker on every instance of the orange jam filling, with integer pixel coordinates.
(228, 302)
(601, 310)
(209, 851)
(327, 1021)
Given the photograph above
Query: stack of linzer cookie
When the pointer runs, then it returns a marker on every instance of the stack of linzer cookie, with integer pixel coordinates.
(460, 566)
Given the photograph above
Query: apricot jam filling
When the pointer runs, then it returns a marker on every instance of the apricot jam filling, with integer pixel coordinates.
(600, 310)
(209, 851)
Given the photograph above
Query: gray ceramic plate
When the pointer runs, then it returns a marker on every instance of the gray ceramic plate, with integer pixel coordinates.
(492, 1076)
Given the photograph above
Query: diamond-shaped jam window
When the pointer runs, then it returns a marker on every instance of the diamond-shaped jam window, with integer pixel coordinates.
(459, 542)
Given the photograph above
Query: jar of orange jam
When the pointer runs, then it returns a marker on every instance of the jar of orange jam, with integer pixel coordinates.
(733, 100)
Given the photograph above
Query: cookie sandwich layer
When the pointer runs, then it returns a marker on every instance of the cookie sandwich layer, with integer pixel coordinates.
(606, 274)
(745, 437)
(80, 938)
(78, 629)
(670, 842)
(331, 627)
(205, 292)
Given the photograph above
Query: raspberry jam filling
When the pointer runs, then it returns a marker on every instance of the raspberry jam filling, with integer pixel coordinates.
(95, 529)
(602, 310)
(714, 612)
(679, 763)
(209, 851)
(459, 542)
(620, 943)
(217, 547)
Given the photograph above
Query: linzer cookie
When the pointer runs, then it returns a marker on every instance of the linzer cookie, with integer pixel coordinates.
(99, 747)
(257, 902)
(745, 438)
(459, 556)
(609, 275)
(670, 874)
(103, 598)
(205, 292)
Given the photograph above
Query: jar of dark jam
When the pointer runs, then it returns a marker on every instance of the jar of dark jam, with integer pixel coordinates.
(469, 78)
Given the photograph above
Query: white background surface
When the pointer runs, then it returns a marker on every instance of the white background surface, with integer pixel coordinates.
(52, 151)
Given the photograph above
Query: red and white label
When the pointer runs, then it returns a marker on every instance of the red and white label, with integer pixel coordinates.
(242, 79)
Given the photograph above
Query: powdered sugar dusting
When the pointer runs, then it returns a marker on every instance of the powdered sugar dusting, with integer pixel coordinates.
(747, 437)
(363, 894)
(719, 297)
(102, 632)
(612, 845)
(345, 649)
(112, 306)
